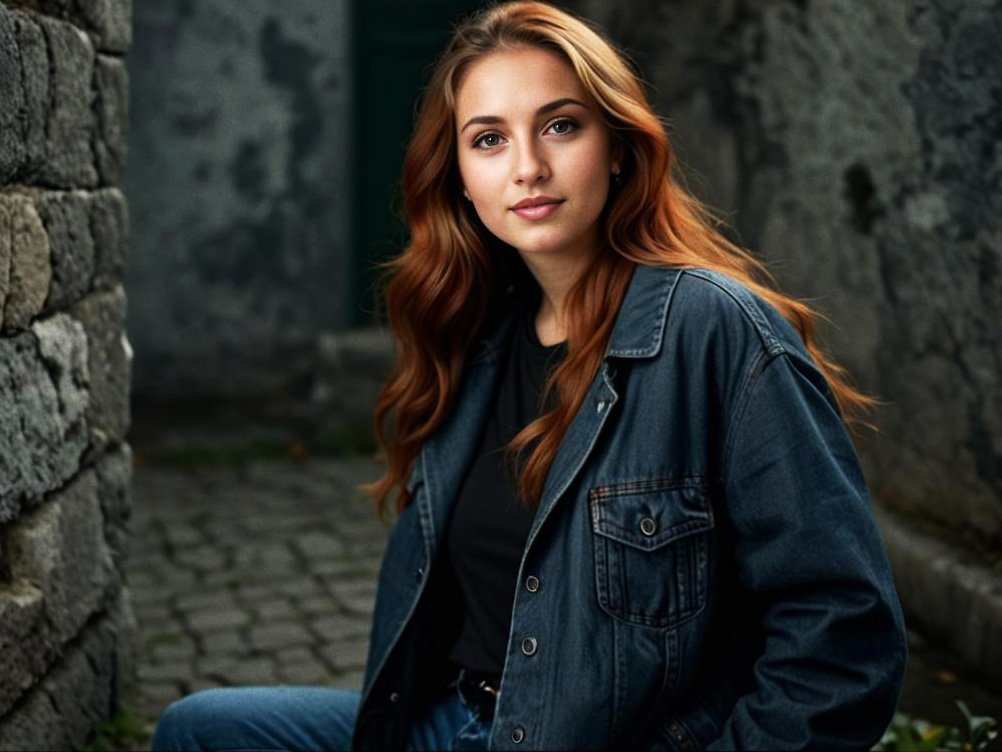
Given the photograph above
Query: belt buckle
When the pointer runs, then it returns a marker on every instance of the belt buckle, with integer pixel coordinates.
(483, 685)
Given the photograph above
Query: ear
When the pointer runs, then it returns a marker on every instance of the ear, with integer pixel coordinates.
(617, 152)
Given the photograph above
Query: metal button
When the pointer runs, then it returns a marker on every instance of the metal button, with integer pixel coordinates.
(529, 646)
(518, 734)
(532, 583)
(394, 696)
(419, 574)
(648, 526)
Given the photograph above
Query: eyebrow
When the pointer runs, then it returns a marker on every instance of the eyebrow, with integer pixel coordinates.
(494, 119)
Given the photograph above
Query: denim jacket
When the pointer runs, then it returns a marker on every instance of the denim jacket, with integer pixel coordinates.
(709, 572)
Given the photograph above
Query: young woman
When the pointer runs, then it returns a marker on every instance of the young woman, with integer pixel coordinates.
(629, 513)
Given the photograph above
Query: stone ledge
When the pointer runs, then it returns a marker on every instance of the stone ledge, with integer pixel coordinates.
(953, 599)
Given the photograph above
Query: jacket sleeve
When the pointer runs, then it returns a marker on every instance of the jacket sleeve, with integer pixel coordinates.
(808, 550)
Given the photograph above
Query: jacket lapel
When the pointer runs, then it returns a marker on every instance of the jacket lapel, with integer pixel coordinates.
(638, 333)
(448, 453)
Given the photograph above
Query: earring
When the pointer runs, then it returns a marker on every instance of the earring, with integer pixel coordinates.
(617, 181)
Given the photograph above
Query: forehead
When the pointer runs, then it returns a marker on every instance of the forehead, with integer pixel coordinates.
(514, 83)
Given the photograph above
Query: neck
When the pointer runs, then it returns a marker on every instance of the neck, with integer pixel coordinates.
(556, 274)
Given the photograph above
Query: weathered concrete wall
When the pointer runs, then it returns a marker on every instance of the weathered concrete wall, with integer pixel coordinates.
(856, 147)
(66, 626)
(238, 191)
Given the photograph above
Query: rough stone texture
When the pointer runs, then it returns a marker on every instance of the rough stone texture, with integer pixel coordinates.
(109, 225)
(30, 268)
(108, 22)
(237, 188)
(66, 217)
(70, 158)
(11, 98)
(5, 256)
(102, 315)
(82, 690)
(114, 474)
(43, 427)
(67, 631)
(25, 96)
(857, 146)
(112, 107)
(60, 552)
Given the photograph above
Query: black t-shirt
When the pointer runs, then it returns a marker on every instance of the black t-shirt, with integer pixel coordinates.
(489, 526)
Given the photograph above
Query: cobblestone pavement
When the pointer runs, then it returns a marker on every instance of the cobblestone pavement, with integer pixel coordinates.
(257, 574)
(265, 573)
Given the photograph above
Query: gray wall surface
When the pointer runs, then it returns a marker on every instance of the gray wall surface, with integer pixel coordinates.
(67, 633)
(237, 183)
(855, 146)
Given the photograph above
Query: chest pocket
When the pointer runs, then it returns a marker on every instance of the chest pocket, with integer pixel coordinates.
(651, 543)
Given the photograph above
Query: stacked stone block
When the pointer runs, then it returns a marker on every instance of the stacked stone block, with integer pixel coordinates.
(66, 626)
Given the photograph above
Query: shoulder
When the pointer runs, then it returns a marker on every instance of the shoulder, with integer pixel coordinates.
(711, 304)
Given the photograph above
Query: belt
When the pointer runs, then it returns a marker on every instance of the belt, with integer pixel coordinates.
(479, 690)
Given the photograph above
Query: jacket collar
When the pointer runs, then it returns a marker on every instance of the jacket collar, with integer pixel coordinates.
(640, 324)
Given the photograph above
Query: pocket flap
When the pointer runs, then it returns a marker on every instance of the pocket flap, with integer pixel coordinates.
(649, 514)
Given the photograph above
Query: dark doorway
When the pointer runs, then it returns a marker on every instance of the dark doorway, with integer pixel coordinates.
(396, 42)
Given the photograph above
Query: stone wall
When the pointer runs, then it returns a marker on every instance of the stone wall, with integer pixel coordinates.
(238, 190)
(855, 146)
(66, 626)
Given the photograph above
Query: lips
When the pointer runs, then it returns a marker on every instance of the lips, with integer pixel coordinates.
(536, 208)
(537, 201)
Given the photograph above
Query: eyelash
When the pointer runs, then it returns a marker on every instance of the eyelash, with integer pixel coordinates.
(568, 121)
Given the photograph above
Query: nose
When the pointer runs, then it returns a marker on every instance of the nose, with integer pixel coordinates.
(531, 165)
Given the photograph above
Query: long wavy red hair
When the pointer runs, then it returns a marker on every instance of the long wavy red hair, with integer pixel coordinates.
(445, 289)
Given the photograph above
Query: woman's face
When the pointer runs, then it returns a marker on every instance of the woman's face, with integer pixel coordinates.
(527, 128)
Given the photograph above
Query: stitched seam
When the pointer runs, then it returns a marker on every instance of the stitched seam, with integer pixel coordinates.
(647, 485)
(659, 324)
(739, 295)
(752, 379)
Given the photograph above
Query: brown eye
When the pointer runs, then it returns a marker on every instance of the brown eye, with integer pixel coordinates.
(482, 138)
(566, 124)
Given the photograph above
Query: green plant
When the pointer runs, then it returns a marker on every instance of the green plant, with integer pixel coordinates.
(125, 731)
(907, 734)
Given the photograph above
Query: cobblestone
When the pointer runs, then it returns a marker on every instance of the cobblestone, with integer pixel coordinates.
(223, 643)
(304, 673)
(206, 600)
(276, 610)
(259, 599)
(207, 621)
(278, 636)
(349, 654)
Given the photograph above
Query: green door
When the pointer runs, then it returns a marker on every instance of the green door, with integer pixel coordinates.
(395, 43)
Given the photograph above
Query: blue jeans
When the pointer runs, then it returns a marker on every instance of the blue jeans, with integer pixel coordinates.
(303, 718)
